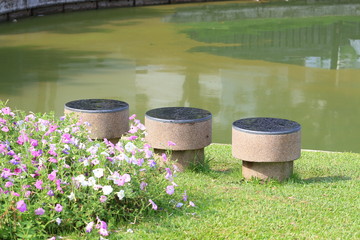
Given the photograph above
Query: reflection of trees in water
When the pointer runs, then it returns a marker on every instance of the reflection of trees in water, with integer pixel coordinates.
(43, 69)
(322, 46)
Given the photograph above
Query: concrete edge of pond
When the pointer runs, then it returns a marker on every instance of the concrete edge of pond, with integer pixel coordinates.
(13, 10)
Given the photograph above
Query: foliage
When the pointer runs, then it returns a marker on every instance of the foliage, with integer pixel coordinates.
(54, 179)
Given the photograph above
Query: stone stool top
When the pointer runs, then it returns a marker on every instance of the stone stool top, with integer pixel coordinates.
(96, 106)
(178, 115)
(266, 126)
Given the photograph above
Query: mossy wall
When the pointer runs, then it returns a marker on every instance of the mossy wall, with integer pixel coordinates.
(14, 9)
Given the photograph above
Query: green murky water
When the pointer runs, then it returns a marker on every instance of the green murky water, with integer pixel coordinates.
(237, 60)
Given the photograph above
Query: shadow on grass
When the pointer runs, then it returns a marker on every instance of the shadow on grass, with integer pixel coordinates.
(328, 179)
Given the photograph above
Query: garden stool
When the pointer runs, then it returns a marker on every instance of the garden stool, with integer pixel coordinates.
(267, 146)
(189, 128)
(107, 118)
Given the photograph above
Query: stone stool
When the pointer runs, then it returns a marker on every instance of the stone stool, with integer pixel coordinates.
(188, 128)
(107, 118)
(267, 146)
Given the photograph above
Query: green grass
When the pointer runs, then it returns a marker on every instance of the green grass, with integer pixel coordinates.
(321, 201)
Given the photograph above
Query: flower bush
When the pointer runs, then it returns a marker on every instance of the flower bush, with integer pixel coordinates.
(54, 179)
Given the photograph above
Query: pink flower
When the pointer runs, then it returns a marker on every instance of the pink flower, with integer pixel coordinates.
(34, 142)
(52, 175)
(5, 129)
(154, 206)
(164, 157)
(133, 129)
(8, 184)
(170, 143)
(132, 117)
(38, 184)
(22, 138)
(39, 211)
(66, 138)
(58, 208)
(53, 160)
(131, 138)
(170, 189)
(6, 110)
(192, 204)
(103, 198)
(15, 194)
(21, 206)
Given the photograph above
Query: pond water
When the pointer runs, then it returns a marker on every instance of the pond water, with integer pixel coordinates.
(238, 60)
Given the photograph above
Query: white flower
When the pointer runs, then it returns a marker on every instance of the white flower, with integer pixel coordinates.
(86, 163)
(67, 130)
(99, 172)
(71, 196)
(80, 178)
(58, 221)
(130, 147)
(107, 189)
(121, 194)
(91, 181)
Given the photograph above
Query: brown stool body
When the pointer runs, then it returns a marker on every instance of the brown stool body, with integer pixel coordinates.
(107, 118)
(189, 128)
(267, 146)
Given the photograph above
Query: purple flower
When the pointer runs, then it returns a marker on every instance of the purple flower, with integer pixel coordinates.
(152, 163)
(58, 208)
(154, 206)
(143, 185)
(21, 206)
(50, 193)
(38, 184)
(164, 157)
(39, 211)
(185, 197)
(168, 175)
(170, 189)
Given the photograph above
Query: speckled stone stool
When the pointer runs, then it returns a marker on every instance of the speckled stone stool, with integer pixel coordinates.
(189, 128)
(267, 146)
(107, 118)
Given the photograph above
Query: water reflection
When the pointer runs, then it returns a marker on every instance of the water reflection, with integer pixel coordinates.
(232, 63)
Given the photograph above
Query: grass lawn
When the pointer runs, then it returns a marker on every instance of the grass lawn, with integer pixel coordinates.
(321, 201)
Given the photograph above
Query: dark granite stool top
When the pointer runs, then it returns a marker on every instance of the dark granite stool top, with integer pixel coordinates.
(266, 126)
(178, 114)
(96, 105)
